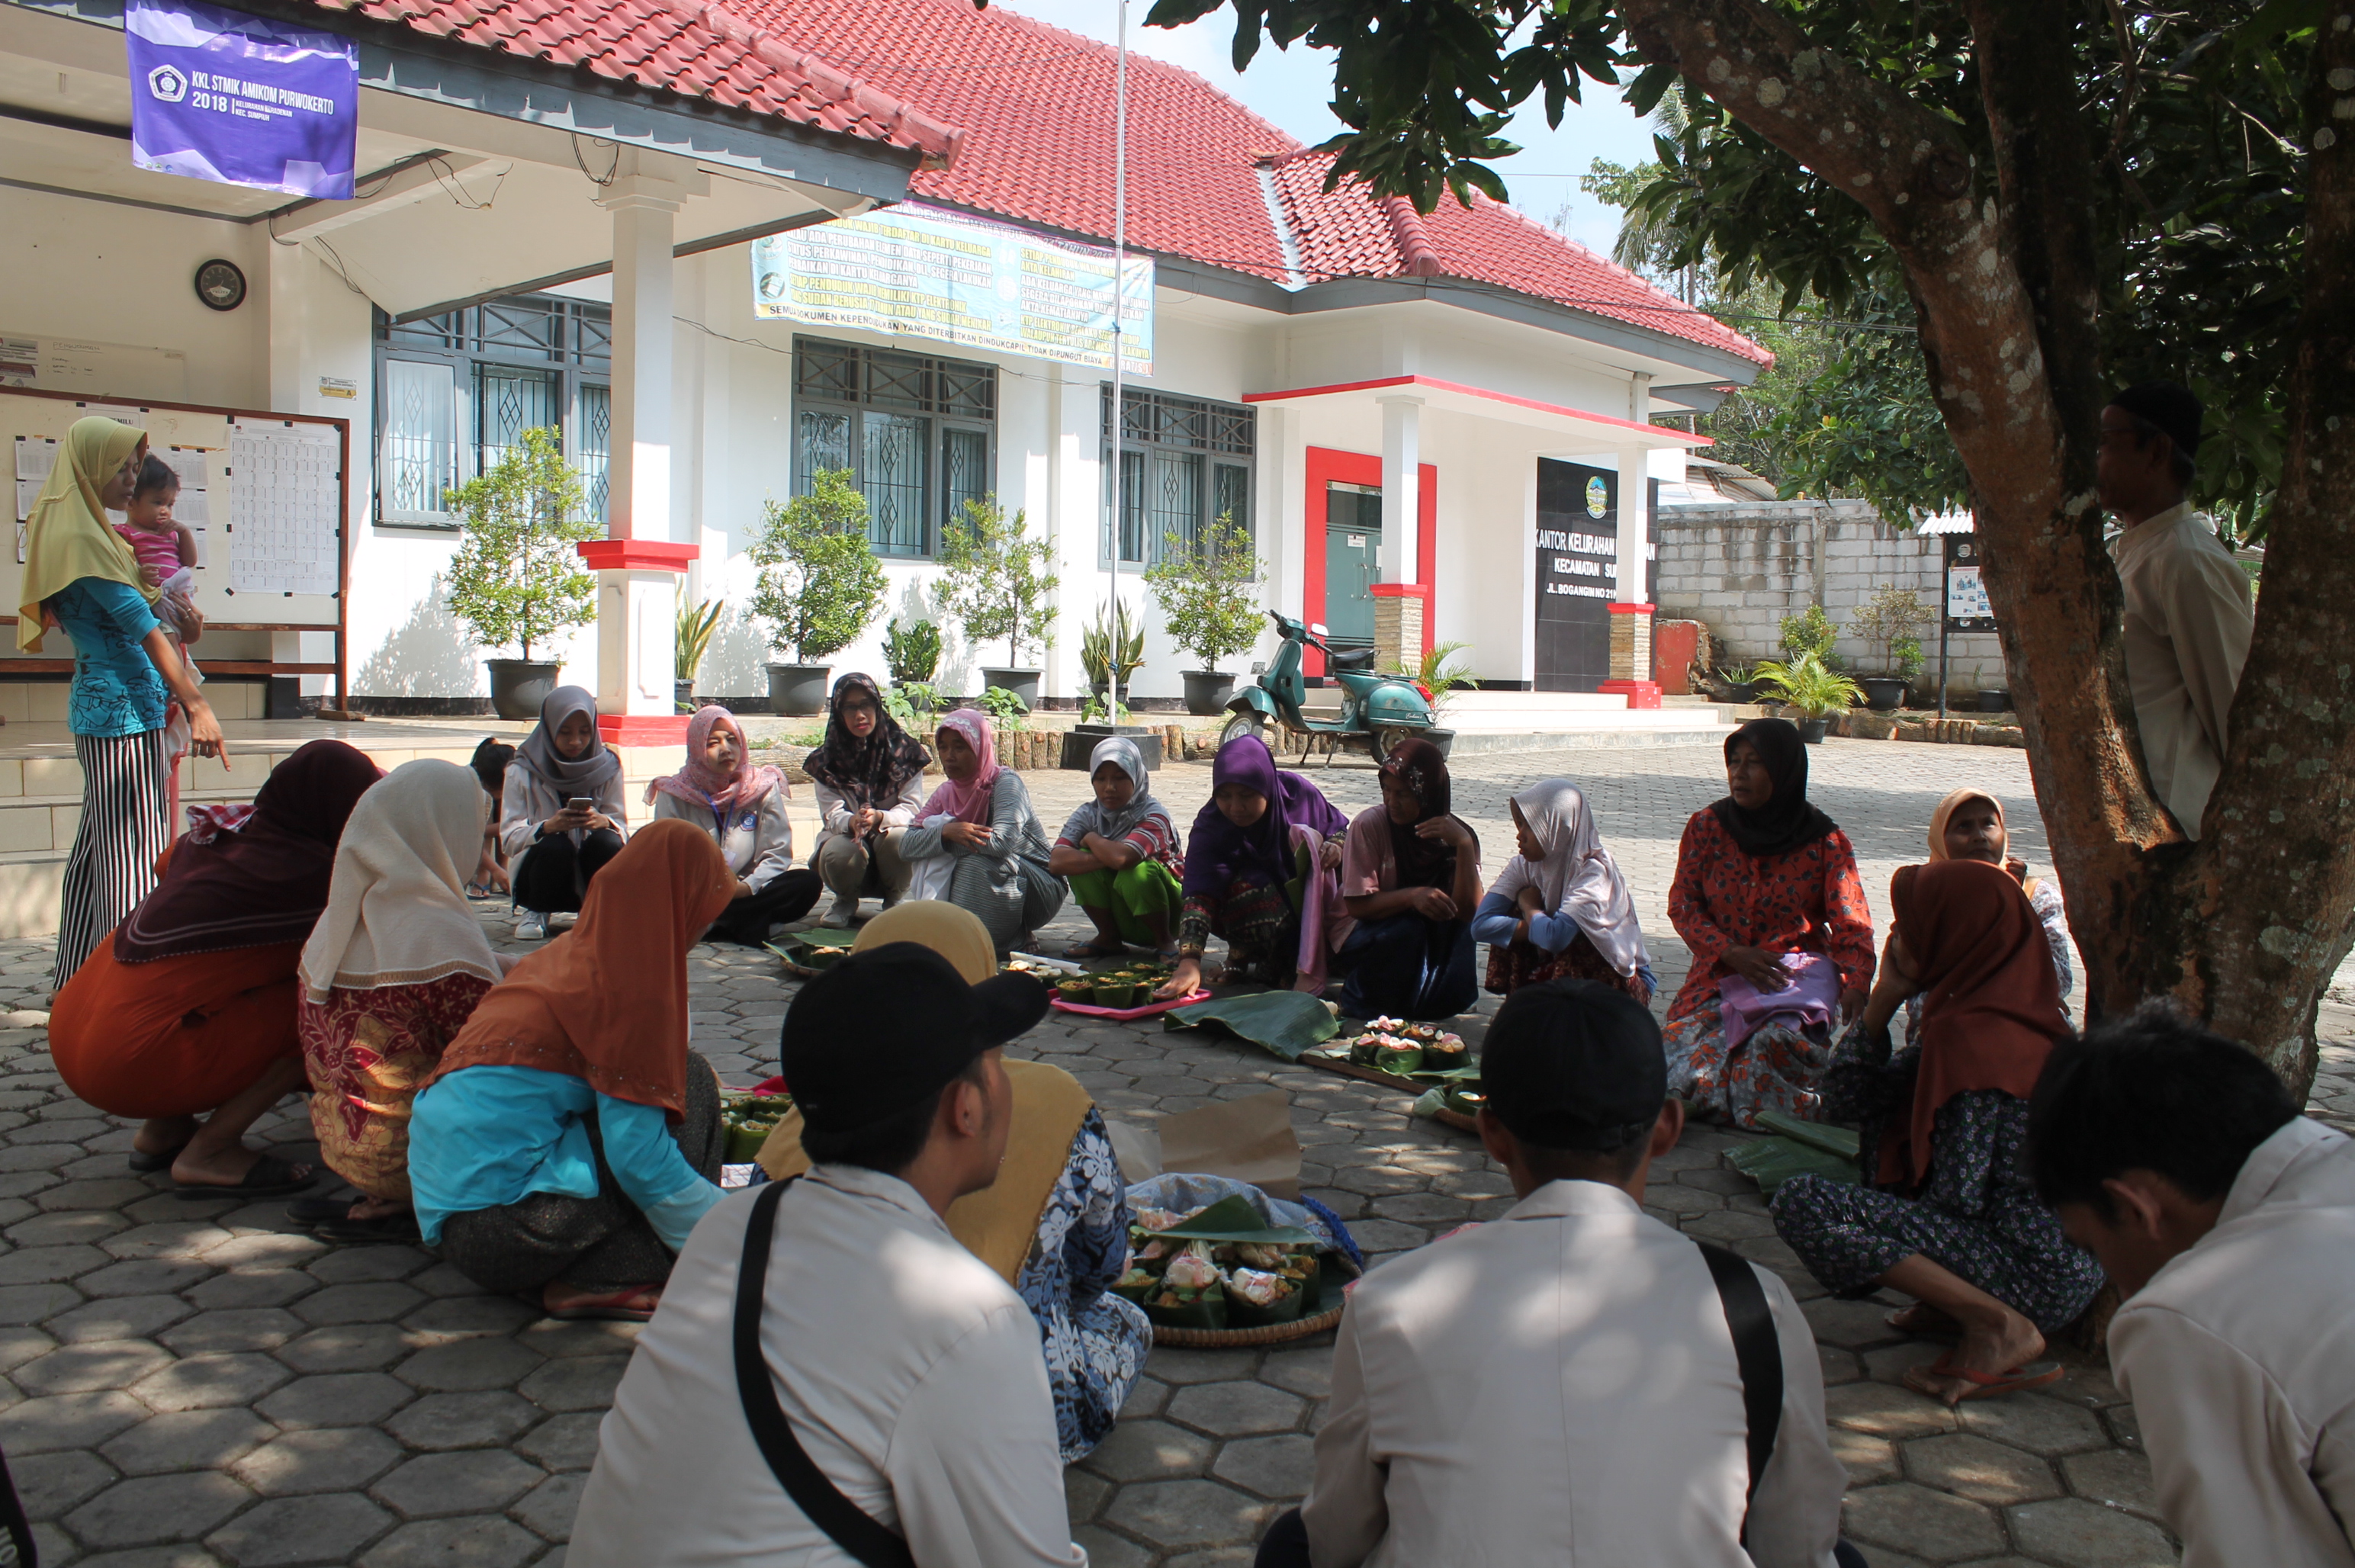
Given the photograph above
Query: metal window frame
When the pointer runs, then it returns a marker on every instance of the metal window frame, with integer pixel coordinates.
(1226, 435)
(931, 402)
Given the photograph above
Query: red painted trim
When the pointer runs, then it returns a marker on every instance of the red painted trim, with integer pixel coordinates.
(1400, 591)
(1481, 392)
(1639, 693)
(643, 729)
(1619, 609)
(1426, 544)
(1324, 465)
(638, 555)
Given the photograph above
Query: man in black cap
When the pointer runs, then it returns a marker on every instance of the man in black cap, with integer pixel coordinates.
(1562, 1385)
(2187, 615)
(893, 1370)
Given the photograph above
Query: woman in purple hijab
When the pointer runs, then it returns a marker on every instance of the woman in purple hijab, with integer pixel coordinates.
(1262, 870)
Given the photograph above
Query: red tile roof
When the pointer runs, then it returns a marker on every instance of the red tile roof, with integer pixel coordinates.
(1035, 103)
(693, 48)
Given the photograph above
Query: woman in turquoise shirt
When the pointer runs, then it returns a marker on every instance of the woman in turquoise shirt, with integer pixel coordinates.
(81, 576)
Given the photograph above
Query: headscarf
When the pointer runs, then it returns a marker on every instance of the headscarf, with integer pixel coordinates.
(266, 882)
(967, 802)
(67, 536)
(397, 910)
(871, 773)
(1419, 768)
(1788, 820)
(1115, 825)
(700, 783)
(1261, 854)
(1001, 1223)
(1576, 876)
(606, 1002)
(1991, 1003)
(1945, 814)
(587, 774)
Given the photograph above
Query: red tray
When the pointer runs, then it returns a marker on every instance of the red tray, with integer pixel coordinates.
(1122, 1015)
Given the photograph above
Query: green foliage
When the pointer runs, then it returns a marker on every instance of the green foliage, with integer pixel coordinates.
(1210, 595)
(1891, 616)
(1114, 640)
(996, 579)
(820, 583)
(1810, 631)
(913, 655)
(1103, 709)
(696, 625)
(1441, 674)
(517, 578)
(1004, 708)
(912, 703)
(1905, 656)
(1809, 685)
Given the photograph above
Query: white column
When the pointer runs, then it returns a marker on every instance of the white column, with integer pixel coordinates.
(635, 607)
(1634, 522)
(1401, 487)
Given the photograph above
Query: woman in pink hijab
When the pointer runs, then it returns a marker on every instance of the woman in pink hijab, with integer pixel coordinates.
(978, 843)
(742, 807)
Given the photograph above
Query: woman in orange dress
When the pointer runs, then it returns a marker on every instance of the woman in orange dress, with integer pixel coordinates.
(187, 1007)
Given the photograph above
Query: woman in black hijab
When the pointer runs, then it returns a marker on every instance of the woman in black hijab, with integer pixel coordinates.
(870, 775)
(1768, 899)
(1411, 882)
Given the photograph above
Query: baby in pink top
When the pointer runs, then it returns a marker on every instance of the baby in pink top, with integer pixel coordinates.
(163, 544)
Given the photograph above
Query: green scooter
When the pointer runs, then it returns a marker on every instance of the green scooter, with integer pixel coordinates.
(1378, 712)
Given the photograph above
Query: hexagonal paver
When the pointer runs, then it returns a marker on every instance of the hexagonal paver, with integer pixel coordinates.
(66, 1421)
(46, 1266)
(563, 1442)
(288, 1530)
(119, 1317)
(1277, 1467)
(1982, 1471)
(2087, 1535)
(268, 1251)
(1189, 1513)
(477, 1542)
(2032, 1421)
(89, 1228)
(184, 1240)
(1233, 1410)
(382, 1301)
(234, 1328)
(357, 1265)
(143, 1276)
(79, 1369)
(1886, 1411)
(468, 1364)
(187, 1440)
(21, 1344)
(347, 1348)
(1932, 1525)
(50, 1484)
(440, 1484)
(552, 1337)
(485, 1419)
(336, 1399)
(319, 1460)
(1200, 1366)
(1150, 1451)
(579, 1382)
(203, 1383)
(472, 1314)
(148, 1511)
(548, 1509)
(2114, 1479)
(266, 1287)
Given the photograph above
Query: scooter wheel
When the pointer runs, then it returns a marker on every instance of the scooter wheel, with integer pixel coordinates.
(1250, 721)
(1389, 739)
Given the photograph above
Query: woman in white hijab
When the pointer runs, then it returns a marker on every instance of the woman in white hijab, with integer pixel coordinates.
(392, 971)
(1560, 909)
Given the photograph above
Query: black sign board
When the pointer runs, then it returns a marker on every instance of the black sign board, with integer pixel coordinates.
(1577, 574)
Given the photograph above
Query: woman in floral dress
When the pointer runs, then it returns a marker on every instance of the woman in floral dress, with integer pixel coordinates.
(1762, 875)
(392, 971)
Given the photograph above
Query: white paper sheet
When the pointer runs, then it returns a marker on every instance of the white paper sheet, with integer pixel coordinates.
(284, 507)
(192, 463)
(35, 455)
(193, 507)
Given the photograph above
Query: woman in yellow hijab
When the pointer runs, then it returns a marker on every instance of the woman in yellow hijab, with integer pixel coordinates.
(80, 576)
(1055, 1224)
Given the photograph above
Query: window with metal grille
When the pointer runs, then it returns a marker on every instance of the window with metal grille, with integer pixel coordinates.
(455, 392)
(1184, 463)
(919, 434)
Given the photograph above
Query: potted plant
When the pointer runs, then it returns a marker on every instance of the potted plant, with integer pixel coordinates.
(1811, 688)
(517, 578)
(1209, 601)
(913, 656)
(1736, 683)
(1892, 616)
(696, 625)
(1439, 674)
(820, 585)
(995, 582)
(1809, 631)
(1113, 644)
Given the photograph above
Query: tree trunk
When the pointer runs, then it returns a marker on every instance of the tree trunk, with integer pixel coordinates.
(2247, 926)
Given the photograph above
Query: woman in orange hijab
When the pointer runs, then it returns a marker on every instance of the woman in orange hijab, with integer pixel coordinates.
(571, 1138)
(1944, 1215)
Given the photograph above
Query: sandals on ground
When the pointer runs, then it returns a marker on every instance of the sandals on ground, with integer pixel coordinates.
(384, 1227)
(148, 1164)
(1924, 1321)
(1094, 950)
(634, 1305)
(268, 1177)
(1984, 1385)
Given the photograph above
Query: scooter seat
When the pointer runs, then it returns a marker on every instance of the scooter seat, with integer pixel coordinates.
(1355, 658)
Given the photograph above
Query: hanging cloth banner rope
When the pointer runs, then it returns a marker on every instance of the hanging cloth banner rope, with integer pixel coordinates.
(218, 95)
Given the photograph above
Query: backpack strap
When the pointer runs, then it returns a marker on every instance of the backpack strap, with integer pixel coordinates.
(1757, 1352)
(848, 1524)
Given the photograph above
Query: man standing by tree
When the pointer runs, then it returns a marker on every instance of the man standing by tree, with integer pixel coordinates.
(2188, 617)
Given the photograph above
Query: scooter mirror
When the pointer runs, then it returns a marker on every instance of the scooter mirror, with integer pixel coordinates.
(1318, 627)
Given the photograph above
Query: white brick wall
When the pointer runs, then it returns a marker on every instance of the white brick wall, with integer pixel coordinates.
(1740, 568)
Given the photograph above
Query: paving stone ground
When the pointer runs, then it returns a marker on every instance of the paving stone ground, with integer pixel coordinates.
(192, 1384)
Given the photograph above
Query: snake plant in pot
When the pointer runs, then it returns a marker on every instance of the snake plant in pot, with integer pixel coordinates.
(1810, 689)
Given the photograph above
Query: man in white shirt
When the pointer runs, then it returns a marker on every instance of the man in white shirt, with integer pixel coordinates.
(905, 1369)
(2227, 1221)
(1561, 1385)
(2188, 616)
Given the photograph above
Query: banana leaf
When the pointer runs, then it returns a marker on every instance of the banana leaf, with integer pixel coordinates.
(1234, 1219)
(1432, 1102)
(822, 936)
(1285, 1022)
(1771, 1161)
(1816, 1134)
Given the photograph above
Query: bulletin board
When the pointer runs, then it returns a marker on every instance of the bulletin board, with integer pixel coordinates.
(266, 495)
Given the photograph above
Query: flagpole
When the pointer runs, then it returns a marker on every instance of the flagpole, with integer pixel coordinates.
(1119, 354)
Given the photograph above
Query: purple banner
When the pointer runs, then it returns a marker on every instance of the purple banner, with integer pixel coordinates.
(218, 95)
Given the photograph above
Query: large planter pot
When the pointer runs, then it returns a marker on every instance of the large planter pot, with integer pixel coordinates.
(1995, 700)
(682, 694)
(1883, 693)
(519, 685)
(798, 690)
(1811, 730)
(1022, 683)
(1207, 691)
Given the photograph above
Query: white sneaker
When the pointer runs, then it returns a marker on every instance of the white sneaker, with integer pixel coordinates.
(531, 927)
(844, 912)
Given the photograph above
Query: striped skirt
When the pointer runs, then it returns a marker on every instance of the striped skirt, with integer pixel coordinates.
(126, 826)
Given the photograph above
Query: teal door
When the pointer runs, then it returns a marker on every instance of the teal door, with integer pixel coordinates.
(1353, 542)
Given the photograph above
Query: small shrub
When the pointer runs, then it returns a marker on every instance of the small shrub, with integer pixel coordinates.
(1809, 631)
(913, 655)
(820, 583)
(517, 578)
(1004, 708)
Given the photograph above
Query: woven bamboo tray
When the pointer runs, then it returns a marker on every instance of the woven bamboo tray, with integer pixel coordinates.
(1456, 1119)
(1264, 1334)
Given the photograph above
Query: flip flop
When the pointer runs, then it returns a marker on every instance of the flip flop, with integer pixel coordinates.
(268, 1177)
(384, 1227)
(1985, 1385)
(148, 1164)
(311, 1213)
(613, 1308)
